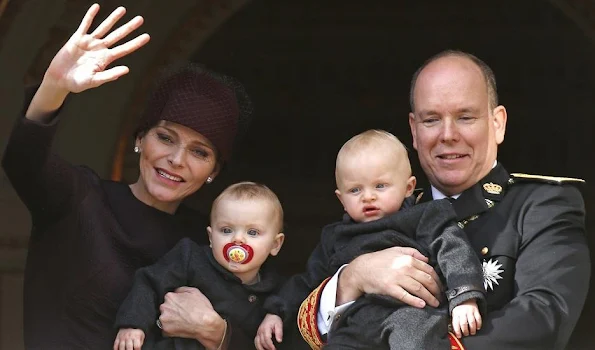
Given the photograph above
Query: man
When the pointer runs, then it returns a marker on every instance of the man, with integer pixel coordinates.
(527, 230)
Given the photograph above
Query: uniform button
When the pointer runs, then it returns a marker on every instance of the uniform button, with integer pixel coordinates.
(252, 298)
(484, 250)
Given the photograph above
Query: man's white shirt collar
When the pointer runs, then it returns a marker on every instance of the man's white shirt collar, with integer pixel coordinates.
(436, 194)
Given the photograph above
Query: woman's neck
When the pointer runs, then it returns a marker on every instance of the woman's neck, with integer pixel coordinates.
(140, 192)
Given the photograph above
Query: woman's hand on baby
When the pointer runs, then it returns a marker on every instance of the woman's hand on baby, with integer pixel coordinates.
(129, 339)
(466, 319)
(271, 325)
(187, 313)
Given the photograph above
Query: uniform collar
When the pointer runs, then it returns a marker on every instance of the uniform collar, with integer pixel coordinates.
(472, 201)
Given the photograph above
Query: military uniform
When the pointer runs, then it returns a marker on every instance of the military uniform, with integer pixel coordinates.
(529, 232)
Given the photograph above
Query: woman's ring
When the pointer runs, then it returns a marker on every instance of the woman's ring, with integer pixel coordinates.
(158, 323)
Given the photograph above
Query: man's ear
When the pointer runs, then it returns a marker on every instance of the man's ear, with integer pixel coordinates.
(500, 118)
(277, 243)
(413, 130)
(411, 182)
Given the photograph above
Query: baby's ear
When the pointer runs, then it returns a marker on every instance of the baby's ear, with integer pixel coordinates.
(338, 194)
(277, 243)
(411, 182)
(210, 232)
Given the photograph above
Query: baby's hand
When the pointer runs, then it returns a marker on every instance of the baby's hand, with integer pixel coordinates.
(466, 318)
(129, 339)
(272, 324)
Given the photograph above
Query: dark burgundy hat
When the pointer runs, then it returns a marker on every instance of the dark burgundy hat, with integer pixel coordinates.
(214, 105)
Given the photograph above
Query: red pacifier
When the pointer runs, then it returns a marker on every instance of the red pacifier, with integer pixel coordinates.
(238, 253)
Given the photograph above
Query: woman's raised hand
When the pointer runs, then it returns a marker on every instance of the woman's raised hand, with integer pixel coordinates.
(81, 63)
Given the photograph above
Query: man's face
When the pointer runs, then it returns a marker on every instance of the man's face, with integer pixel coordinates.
(455, 132)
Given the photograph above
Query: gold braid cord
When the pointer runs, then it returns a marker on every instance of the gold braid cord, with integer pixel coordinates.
(307, 317)
(455, 343)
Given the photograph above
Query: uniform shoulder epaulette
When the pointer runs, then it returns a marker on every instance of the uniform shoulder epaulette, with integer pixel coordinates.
(555, 180)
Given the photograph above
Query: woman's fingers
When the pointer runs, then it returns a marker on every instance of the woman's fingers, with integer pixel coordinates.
(105, 26)
(111, 74)
(128, 47)
(122, 31)
(87, 20)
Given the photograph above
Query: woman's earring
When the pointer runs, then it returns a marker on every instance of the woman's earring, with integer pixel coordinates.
(209, 180)
(136, 149)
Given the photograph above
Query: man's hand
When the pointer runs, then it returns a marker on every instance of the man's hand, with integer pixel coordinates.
(466, 318)
(272, 324)
(129, 339)
(187, 313)
(399, 272)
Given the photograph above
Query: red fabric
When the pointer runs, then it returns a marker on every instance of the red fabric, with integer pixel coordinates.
(455, 344)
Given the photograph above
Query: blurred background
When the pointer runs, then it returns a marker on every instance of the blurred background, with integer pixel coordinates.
(318, 72)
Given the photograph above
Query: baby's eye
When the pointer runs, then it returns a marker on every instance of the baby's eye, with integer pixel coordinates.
(252, 232)
(226, 230)
(354, 190)
(381, 186)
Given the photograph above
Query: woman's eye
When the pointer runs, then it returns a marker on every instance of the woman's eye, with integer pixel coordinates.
(200, 153)
(164, 137)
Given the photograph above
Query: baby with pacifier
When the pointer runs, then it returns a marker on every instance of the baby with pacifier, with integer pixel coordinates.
(246, 227)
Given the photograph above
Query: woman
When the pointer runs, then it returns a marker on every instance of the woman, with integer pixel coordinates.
(90, 235)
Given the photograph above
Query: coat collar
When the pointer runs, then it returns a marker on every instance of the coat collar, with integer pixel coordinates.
(269, 279)
(474, 200)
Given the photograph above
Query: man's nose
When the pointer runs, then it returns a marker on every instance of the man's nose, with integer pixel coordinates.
(450, 130)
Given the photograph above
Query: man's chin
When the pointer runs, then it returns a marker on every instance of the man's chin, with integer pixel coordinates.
(451, 185)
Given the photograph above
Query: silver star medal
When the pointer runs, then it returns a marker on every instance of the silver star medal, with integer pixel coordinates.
(491, 274)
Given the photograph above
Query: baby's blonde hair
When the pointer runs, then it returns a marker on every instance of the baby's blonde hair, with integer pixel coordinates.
(251, 191)
(374, 140)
